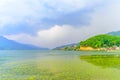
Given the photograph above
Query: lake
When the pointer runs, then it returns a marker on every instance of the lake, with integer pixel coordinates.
(59, 65)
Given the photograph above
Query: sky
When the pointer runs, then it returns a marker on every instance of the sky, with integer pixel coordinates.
(52, 23)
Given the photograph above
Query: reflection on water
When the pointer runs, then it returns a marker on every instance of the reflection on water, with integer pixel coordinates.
(57, 65)
(106, 61)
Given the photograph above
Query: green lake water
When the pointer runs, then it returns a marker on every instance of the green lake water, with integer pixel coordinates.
(59, 65)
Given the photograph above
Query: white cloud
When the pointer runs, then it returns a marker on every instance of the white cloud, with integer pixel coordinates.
(71, 5)
(107, 18)
(55, 36)
(52, 37)
(104, 19)
(20, 10)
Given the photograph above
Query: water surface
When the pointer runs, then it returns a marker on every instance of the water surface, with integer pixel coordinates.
(59, 65)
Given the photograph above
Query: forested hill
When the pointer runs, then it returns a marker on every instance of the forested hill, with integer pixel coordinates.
(99, 41)
(67, 47)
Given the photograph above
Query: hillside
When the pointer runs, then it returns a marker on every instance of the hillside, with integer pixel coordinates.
(6, 44)
(109, 41)
(67, 47)
(101, 41)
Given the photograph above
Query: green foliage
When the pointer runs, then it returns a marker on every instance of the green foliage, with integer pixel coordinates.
(103, 40)
(70, 48)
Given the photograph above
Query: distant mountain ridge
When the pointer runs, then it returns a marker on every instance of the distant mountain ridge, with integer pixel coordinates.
(67, 46)
(114, 33)
(6, 44)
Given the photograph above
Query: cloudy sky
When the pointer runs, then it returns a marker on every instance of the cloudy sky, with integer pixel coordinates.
(51, 23)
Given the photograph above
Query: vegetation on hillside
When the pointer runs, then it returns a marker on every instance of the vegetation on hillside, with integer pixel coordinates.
(69, 47)
(100, 41)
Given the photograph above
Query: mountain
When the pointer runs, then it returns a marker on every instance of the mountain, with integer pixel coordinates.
(6, 44)
(115, 33)
(101, 41)
(66, 47)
